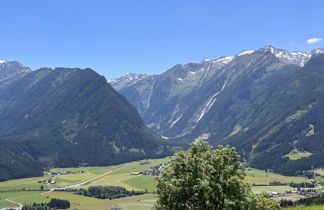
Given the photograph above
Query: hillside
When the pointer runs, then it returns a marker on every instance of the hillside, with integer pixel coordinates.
(226, 101)
(70, 117)
(290, 120)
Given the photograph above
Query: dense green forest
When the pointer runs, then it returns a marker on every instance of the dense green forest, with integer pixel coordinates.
(107, 192)
(69, 117)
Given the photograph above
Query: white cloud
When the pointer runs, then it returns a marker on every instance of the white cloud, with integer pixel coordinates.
(313, 40)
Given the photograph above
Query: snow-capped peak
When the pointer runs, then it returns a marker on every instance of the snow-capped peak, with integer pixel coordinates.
(126, 80)
(2, 61)
(246, 52)
(223, 60)
(298, 58)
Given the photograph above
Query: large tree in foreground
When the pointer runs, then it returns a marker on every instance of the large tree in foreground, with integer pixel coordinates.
(203, 178)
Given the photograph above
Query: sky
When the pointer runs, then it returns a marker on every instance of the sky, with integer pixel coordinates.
(151, 36)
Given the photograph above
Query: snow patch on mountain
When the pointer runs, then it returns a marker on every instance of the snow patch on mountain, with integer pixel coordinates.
(246, 52)
(298, 58)
(127, 80)
(210, 103)
(223, 60)
(2, 61)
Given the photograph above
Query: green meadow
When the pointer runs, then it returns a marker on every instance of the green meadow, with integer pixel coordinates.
(256, 176)
(119, 175)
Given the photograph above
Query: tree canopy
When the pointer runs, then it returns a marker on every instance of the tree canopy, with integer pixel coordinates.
(203, 178)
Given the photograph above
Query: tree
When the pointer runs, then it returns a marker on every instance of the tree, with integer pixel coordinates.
(203, 178)
(261, 202)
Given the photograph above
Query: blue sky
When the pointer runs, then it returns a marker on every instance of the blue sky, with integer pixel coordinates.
(150, 36)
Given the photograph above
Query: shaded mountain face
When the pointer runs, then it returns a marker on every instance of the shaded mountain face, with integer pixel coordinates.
(11, 68)
(69, 117)
(179, 102)
(291, 119)
(221, 100)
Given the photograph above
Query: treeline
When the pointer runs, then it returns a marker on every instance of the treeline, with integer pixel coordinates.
(287, 167)
(53, 204)
(21, 167)
(303, 185)
(292, 184)
(107, 192)
(314, 200)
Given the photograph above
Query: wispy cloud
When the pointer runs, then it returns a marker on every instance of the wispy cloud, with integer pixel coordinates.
(313, 40)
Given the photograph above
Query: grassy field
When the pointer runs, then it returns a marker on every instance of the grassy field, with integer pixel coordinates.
(255, 176)
(270, 189)
(122, 177)
(141, 202)
(80, 202)
(307, 208)
(295, 155)
(142, 182)
(117, 176)
(4, 203)
(19, 184)
(319, 171)
(24, 197)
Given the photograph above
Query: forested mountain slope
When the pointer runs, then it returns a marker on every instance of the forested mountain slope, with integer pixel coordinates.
(69, 117)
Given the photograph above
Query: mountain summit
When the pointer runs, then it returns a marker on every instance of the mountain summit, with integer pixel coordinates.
(11, 68)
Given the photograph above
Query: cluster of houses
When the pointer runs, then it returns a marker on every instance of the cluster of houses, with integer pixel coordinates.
(46, 181)
(55, 173)
(294, 195)
(153, 171)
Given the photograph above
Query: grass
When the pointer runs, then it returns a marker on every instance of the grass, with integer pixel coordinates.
(75, 200)
(26, 197)
(122, 177)
(295, 155)
(19, 184)
(142, 182)
(4, 203)
(256, 176)
(119, 177)
(141, 202)
(319, 179)
(307, 208)
(270, 189)
(91, 170)
(320, 171)
(78, 201)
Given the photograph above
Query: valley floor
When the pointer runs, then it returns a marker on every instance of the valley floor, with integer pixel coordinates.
(29, 190)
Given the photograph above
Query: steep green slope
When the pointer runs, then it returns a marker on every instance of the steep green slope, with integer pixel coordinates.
(261, 101)
(13, 166)
(182, 102)
(291, 119)
(69, 117)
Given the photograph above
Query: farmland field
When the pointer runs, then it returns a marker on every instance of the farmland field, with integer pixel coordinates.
(119, 175)
(24, 197)
(87, 203)
(19, 184)
(307, 208)
(270, 189)
(256, 176)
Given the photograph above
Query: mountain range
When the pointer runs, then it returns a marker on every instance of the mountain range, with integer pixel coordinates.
(67, 117)
(265, 102)
(235, 100)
